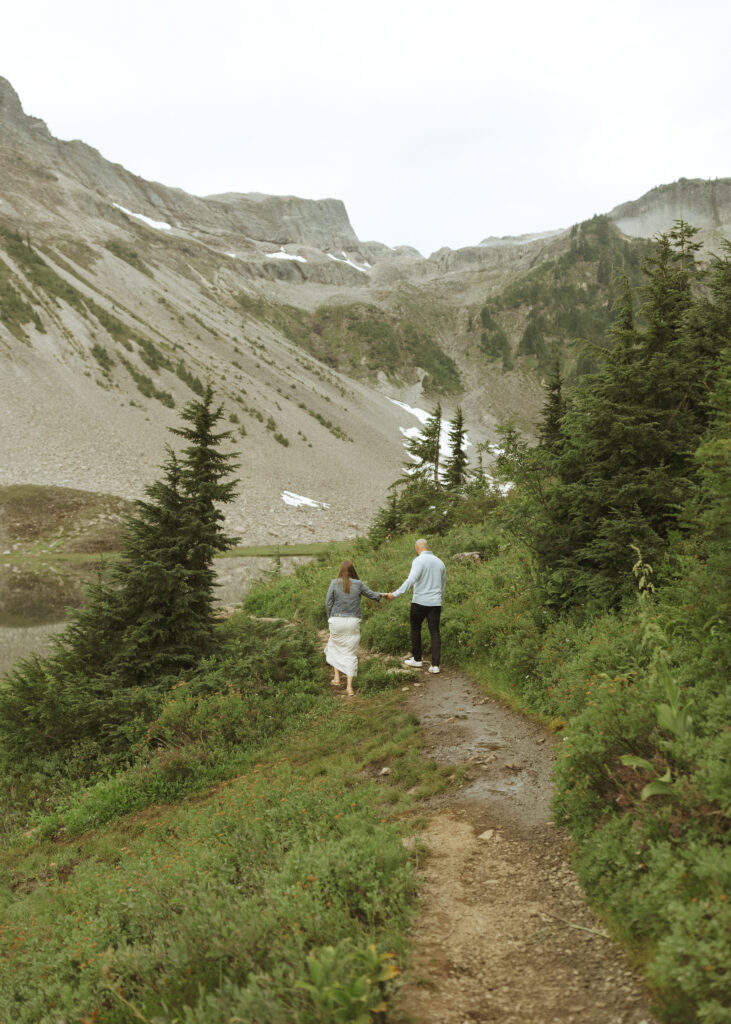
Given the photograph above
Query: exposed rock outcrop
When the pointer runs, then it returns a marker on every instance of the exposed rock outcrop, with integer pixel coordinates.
(79, 171)
(704, 204)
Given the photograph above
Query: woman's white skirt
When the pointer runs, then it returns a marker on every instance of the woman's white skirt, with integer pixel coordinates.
(342, 647)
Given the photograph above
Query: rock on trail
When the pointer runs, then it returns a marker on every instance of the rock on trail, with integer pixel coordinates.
(504, 935)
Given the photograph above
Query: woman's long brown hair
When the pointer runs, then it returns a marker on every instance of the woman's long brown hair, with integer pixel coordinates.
(346, 574)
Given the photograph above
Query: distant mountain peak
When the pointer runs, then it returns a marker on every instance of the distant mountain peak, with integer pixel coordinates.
(12, 113)
(704, 203)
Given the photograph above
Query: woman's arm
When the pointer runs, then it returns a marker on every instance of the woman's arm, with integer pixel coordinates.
(330, 599)
(375, 595)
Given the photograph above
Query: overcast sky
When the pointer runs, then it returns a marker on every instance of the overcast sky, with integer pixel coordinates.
(437, 122)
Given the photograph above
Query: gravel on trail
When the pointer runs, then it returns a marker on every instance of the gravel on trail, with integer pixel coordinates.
(503, 934)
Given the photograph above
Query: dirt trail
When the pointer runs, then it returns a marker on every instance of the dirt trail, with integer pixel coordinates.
(504, 934)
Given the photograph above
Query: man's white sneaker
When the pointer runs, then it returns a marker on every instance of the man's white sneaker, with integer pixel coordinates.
(412, 663)
(434, 669)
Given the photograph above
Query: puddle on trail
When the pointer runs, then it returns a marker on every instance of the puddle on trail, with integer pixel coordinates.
(509, 757)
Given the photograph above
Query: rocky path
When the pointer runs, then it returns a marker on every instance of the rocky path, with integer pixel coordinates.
(504, 935)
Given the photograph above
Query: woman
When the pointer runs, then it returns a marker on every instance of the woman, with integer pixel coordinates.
(343, 616)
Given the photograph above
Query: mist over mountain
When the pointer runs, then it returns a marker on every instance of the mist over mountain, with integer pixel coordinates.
(119, 297)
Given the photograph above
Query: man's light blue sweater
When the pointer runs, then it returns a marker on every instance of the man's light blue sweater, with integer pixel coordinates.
(428, 577)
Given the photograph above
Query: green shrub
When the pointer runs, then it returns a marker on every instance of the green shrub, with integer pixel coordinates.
(375, 675)
(212, 909)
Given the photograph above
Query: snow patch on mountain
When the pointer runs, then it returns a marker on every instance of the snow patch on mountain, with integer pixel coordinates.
(298, 501)
(282, 255)
(159, 225)
(346, 259)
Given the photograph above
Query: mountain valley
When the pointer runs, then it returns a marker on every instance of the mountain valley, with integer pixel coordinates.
(120, 298)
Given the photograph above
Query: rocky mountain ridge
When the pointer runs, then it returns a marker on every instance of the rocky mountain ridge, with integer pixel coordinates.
(119, 296)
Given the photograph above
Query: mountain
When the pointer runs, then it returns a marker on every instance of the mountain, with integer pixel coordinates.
(704, 204)
(120, 296)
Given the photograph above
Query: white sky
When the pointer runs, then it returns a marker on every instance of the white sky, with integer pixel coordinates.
(437, 122)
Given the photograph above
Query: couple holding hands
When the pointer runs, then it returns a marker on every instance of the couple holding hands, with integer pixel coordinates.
(427, 577)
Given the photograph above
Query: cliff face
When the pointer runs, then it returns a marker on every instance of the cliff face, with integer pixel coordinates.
(704, 204)
(283, 220)
(80, 178)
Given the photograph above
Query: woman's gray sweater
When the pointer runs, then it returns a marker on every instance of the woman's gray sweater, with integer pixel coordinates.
(338, 602)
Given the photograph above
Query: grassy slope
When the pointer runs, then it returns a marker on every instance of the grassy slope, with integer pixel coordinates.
(363, 340)
(251, 828)
(544, 311)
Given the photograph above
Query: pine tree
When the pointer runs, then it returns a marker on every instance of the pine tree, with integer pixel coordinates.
(625, 463)
(425, 448)
(455, 469)
(164, 581)
(549, 429)
(204, 469)
(670, 272)
(148, 619)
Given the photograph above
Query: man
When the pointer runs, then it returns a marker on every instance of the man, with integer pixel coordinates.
(428, 576)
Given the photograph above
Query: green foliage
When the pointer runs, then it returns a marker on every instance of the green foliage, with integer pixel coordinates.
(102, 357)
(533, 343)
(151, 354)
(146, 386)
(566, 298)
(347, 983)
(193, 382)
(550, 430)
(424, 448)
(150, 618)
(129, 255)
(620, 465)
(417, 507)
(220, 909)
(15, 311)
(494, 342)
(363, 340)
(328, 424)
(40, 275)
(455, 468)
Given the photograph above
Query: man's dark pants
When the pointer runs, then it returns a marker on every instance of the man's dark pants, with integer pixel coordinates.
(432, 614)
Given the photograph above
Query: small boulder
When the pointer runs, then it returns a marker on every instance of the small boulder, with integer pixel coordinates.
(467, 556)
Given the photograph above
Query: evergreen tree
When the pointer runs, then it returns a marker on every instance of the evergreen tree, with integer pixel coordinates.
(150, 617)
(204, 468)
(625, 461)
(549, 429)
(455, 469)
(386, 521)
(163, 584)
(670, 272)
(532, 343)
(425, 448)
(622, 330)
